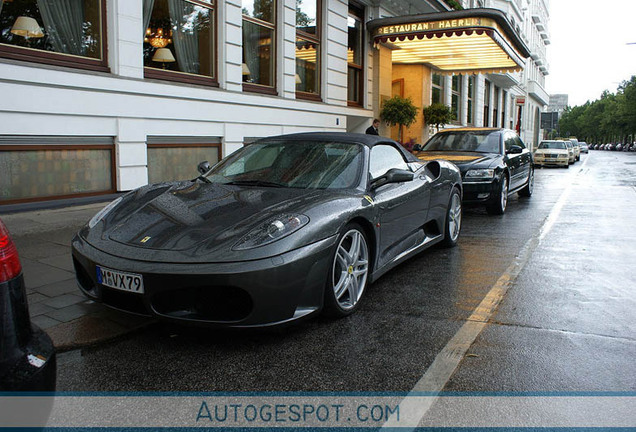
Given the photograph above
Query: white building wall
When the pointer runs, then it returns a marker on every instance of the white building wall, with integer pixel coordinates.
(480, 81)
(230, 45)
(337, 33)
(125, 19)
(124, 105)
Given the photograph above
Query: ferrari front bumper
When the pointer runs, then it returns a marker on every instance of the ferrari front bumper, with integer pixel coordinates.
(257, 293)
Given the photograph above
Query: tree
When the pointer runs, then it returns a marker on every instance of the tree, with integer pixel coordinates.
(398, 111)
(454, 4)
(437, 115)
(302, 19)
(609, 119)
(628, 107)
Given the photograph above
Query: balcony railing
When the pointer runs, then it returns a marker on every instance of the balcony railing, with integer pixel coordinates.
(536, 91)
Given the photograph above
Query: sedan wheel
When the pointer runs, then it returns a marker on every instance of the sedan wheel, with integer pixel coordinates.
(453, 220)
(529, 188)
(500, 200)
(349, 272)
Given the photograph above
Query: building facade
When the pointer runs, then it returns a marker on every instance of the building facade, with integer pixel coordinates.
(103, 96)
(523, 95)
(558, 103)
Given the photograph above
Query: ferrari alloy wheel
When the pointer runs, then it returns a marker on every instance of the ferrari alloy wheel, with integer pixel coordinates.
(453, 219)
(500, 200)
(349, 272)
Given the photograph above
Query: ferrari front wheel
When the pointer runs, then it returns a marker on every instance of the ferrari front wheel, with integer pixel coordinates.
(349, 272)
(453, 219)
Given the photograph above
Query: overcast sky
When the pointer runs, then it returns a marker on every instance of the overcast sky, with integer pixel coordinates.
(588, 51)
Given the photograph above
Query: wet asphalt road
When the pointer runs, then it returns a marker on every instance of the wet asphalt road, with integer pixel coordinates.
(565, 323)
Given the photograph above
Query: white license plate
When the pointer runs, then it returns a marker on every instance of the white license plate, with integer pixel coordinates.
(120, 280)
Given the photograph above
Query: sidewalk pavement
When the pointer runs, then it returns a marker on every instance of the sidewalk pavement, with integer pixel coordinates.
(56, 304)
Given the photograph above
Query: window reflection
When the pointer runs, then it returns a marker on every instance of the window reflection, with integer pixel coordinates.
(258, 65)
(260, 9)
(354, 55)
(307, 71)
(306, 17)
(437, 88)
(354, 51)
(456, 91)
(71, 27)
(258, 42)
(179, 36)
(307, 48)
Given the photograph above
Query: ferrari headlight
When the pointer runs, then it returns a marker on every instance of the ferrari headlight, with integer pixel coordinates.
(103, 212)
(480, 174)
(272, 230)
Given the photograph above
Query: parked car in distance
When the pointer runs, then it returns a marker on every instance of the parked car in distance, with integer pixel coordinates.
(276, 232)
(571, 154)
(584, 147)
(552, 153)
(27, 355)
(494, 163)
(576, 148)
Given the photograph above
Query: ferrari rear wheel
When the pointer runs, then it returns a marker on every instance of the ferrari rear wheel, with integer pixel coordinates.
(349, 272)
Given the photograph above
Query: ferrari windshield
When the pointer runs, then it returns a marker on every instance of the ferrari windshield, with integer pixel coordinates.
(473, 141)
(296, 164)
(552, 145)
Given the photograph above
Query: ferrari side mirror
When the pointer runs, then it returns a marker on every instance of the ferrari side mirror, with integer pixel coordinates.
(394, 175)
(204, 167)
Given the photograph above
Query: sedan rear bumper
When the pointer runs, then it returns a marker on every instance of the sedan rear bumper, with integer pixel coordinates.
(255, 293)
(27, 358)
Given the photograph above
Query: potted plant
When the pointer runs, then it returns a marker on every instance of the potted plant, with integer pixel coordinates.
(437, 115)
(398, 111)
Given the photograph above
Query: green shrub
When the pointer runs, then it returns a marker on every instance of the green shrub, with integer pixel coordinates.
(437, 115)
(398, 111)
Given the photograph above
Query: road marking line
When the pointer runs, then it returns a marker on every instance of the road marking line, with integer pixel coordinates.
(414, 406)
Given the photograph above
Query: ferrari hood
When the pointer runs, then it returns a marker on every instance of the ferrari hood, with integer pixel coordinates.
(464, 160)
(194, 218)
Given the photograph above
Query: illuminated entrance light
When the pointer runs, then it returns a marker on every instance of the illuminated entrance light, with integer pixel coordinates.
(466, 41)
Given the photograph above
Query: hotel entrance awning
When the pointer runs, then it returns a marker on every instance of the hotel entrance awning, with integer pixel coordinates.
(465, 41)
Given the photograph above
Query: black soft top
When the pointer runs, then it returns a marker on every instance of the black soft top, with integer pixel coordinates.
(344, 137)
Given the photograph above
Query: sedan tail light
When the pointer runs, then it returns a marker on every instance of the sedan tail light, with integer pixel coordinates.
(10, 266)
